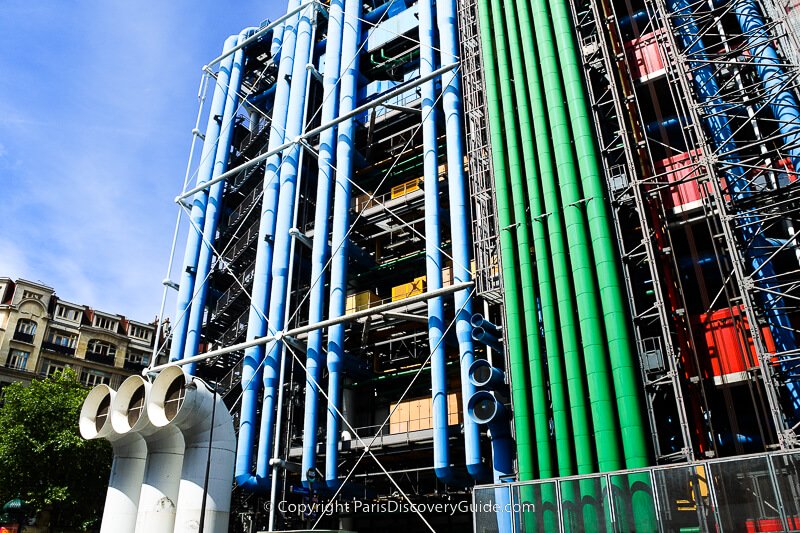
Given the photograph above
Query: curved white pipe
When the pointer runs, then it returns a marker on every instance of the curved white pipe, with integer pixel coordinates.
(187, 403)
(127, 469)
(164, 446)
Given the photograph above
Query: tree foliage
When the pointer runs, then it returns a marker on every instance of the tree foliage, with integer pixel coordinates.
(43, 459)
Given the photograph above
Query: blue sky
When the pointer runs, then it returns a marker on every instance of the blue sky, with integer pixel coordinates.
(97, 102)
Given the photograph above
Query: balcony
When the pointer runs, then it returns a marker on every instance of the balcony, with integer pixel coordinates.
(58, 348)
(133, 366)
(23, 337)
(101, 358)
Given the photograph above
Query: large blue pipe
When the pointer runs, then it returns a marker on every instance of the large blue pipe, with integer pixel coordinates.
(252, 370)
(289, 167)
(433, 243)
(783, 102)
(234, 65)
(321, 249)
(198, 212)
(351, 38)
(483, 408)
(718, 123)
(459, 219)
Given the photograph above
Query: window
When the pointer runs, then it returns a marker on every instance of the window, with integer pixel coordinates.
(105, 323)
(17, 359)
(99, 347)
(67, 312)
(27, 327)
(137, 357)
(51, 367)
(31, 294)
(91, 378)
(62, 338)
(140, 332)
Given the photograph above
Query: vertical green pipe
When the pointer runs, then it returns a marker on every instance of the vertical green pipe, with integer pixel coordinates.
(513, 330)
(619, 339)
(634, 440)
(603, 410)
(549, 231)
(517, 126)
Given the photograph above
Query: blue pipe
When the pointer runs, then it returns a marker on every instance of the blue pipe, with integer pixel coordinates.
(478, 321)
(483, 408)
(190, 257)
(320, 249)
(484, 337)
(717, 122)
(433, 242)
(784, 104)
(289, 168)
(485, 376)
(351, 37)
(195, 323)
(446, 18)
(252, 371)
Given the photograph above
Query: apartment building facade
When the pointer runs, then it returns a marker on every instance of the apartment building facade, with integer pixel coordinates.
(41, 333)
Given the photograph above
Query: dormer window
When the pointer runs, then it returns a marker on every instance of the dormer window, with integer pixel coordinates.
(67, 313)
(105, 322)
(140, 332)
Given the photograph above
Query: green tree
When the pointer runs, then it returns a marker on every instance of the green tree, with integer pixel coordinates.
(43, 459)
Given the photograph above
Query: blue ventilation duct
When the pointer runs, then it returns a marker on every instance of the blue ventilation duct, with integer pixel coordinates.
(433, 243)
(782, 101)
(289, 175)
(718, 124)
(198, 212)
(252, 370)
(345, 149)
(321, 249)
(483, 408)
(214, 201)
(446, 18)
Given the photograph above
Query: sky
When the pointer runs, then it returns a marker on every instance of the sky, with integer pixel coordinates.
(97, 103)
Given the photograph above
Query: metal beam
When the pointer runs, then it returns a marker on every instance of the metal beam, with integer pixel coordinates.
(377, 310)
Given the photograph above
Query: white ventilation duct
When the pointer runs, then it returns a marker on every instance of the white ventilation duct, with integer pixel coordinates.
(127, 469)
(187, 403)
(159, 490)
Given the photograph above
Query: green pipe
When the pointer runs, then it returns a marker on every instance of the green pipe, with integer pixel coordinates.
(517, 126)
(548, 230)
(620, 343)
(595, 356)
(514, 340)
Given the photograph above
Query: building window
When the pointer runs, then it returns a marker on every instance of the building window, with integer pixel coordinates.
(137, 357)
(25, 331)
(68, 313)
(17, 359)
(140, 332)
(51, 367)
(105, 323)
(62, 338)
(31, 294)
(102, 347)
(92, 378)
(27, 327)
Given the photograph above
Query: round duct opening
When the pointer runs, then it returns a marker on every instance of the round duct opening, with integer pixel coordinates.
(136, 405)
(94, 419)
(481, 373)
(173, 399)
(482, 407)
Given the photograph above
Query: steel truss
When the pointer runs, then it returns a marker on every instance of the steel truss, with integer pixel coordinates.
(649, 227)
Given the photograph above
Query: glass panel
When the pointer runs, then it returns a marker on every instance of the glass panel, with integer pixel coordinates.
(634, 504)
(584, 505)
(489, 509)
(536, 507)
(787, 473)
(745, 496)
(683, 499)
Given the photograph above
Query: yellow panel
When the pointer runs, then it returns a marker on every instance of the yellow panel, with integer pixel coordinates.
(405, 188)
